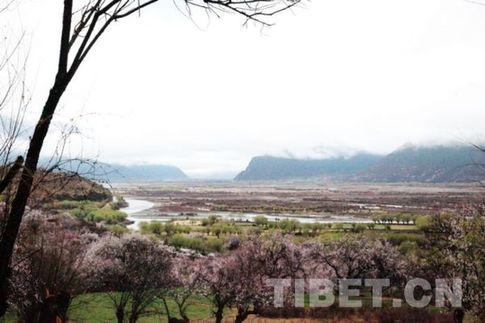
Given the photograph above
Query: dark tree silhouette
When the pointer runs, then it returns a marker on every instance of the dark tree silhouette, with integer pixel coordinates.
(81, 29)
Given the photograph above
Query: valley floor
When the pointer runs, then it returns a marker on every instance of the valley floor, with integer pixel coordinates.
(301, 198)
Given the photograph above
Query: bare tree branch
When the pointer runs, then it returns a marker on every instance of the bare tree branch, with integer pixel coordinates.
(13, 170)
(65, 37)
(6, 5)
(253, 10)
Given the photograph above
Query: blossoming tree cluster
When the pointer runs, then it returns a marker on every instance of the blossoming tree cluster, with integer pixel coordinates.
(57, 259)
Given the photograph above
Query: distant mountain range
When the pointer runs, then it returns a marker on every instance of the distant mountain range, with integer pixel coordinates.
(115, 173)
(432, 164)
(436, 164)
(144, 173)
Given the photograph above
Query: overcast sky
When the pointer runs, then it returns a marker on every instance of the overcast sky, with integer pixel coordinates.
(207, 95)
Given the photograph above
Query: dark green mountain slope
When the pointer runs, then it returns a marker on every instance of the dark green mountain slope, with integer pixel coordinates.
(277, 168)
(436, 164)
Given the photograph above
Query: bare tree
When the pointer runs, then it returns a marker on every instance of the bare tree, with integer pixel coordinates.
(13, 103)
(82, 27)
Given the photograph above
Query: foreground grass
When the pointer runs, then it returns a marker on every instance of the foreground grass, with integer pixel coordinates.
(98, 308)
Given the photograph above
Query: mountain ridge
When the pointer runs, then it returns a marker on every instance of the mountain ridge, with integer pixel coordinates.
(117, 173)
(428, 164)
(410, 163)
(145, 173)
(276, 168)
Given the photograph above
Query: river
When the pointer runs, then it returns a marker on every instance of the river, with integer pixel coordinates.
(135, 211)
(138, 212)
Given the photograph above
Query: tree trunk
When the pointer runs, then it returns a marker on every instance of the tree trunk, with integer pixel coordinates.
(120, 315)
(47, 314)
(167, 310)
(219, 314)
(54, 309)
(23, 190)
(458, 315)
(182, 312)
(133, 318)
(31, 315)
(241, 316)
(62, 303)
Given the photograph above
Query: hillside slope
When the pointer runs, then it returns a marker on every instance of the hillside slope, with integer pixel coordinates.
(277, 168)
(66, 186)
(436, 164)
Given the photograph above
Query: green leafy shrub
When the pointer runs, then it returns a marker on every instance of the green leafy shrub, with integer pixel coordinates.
(422, 221)
(407, 247)
(65, 205)
(338, 226)
(211, 220)
(183, 241)
(199, 244)
(224, 228)
(91, 212)
(107, 215)
(215, 245)
(153, 227)
(117, 229)
(261, 220)
(289, 226)
(182, 229)
(397, 239)
(83, 210)
(163, 229)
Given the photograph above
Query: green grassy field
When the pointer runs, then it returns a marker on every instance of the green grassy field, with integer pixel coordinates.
(97, 308)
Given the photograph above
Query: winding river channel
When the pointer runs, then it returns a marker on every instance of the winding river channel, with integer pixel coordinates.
(141, 211)
(136, 210)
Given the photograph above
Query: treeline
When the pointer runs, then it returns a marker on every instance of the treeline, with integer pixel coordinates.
(214, 233)
(400, 218)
